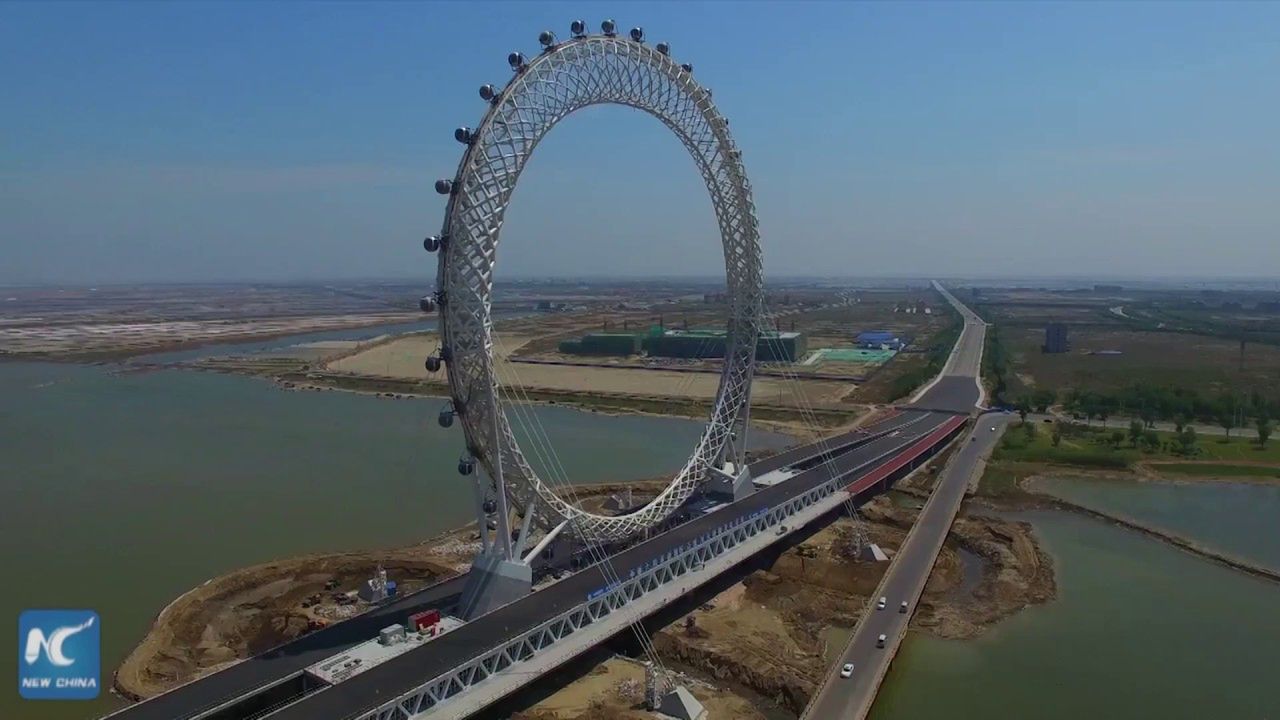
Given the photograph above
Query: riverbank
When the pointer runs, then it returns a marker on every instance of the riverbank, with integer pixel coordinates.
(1030, 492)
(113, 342)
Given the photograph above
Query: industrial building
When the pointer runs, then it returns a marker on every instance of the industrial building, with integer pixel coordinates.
(701, 344)
(1055, 338)
(693, 344)
(603, 343)
(879, 340)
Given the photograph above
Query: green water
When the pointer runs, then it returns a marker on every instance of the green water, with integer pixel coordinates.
(1140, 630)
(121, 491)
(1240, 519)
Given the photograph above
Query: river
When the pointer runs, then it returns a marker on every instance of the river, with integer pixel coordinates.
(1139, 630)
(123, 490)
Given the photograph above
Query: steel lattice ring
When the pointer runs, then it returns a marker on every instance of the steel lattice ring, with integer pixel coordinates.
(567, 77)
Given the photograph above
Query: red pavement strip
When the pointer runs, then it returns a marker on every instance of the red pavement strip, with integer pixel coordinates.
(905, 456)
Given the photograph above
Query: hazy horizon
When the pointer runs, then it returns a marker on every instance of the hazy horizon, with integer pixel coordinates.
(182, 143)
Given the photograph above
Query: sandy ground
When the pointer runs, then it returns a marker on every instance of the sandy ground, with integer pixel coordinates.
(775, 631)
(403, 358)
(118, 340)
(615, 689)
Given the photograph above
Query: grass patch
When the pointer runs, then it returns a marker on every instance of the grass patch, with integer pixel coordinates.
(1218, 470)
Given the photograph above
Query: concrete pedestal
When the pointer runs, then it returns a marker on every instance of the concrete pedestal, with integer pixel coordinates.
(493, 582)
(729, 483)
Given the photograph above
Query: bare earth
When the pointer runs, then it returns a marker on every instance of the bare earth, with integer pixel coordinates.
(403, 358)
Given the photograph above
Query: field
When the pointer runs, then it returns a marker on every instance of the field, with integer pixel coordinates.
(403, 358)
(1090, 447)
(1219, 470)
(1207, 364)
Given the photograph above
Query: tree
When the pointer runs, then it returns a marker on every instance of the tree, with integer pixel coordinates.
(1030, 430)
(1151, 440)
(1135, 432)
(1179, 423)
(1117, 438)
(1187, 441)
(1264, 431)
(1228, 421)
(1056, 437)
(1023, 406)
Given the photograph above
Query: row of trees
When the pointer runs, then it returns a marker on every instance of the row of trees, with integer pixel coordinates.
(1151, 403)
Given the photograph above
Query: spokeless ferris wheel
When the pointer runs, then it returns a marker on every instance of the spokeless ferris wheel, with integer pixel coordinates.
(565, 77)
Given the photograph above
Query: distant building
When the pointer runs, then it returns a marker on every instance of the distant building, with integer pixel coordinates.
(702, 344)
(1108, 288)
(1055, 338)
(603, 343)
(879, 339)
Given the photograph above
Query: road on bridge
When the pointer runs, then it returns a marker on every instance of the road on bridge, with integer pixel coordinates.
(851, 698)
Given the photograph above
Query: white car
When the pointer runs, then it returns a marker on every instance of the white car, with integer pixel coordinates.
(883, 601)
(880, 641)
(903, 607)
(847, 670)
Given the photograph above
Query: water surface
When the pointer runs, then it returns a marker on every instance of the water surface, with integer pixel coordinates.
(121, 491)
(1240, 519)
(1140, 630)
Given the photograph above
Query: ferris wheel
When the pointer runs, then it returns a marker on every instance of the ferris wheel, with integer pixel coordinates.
(569, 75)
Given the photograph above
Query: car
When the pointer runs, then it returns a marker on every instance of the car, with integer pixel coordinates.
(883, 601)
(847, 670)
(903, 607)
(880, 641)
(993, 428)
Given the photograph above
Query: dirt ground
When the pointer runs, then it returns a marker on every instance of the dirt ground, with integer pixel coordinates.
(108, 340)
(776, 632)
(403, 358)
(1206, 364)
(615, 689)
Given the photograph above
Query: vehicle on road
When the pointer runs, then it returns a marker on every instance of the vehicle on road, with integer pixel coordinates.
(847, 670)
(880, 640)
(903, 607)
(883, 601)
(993, 428)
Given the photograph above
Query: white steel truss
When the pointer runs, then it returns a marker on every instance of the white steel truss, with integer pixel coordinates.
(565, 78)
(602, 603)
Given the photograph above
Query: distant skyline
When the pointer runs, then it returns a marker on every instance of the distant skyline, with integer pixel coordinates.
(188, 142)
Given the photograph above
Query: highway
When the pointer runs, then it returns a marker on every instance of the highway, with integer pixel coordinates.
(851, 698)
(282, 663)
(957, 389)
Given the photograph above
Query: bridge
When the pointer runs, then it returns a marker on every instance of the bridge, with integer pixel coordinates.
(601, 575)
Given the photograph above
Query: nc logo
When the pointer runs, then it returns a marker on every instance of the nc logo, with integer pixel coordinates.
(58, 654)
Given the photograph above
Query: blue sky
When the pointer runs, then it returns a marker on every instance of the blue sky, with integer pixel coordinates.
(179, 141)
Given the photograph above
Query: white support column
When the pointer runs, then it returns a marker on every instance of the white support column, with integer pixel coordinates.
(504, 515)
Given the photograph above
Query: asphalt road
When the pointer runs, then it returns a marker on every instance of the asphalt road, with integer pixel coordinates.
(289, 659)
(401, 675)
(957, 389)
(851, 698)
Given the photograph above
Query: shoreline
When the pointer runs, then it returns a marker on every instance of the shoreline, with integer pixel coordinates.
(120, 354)
(1169, 537)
